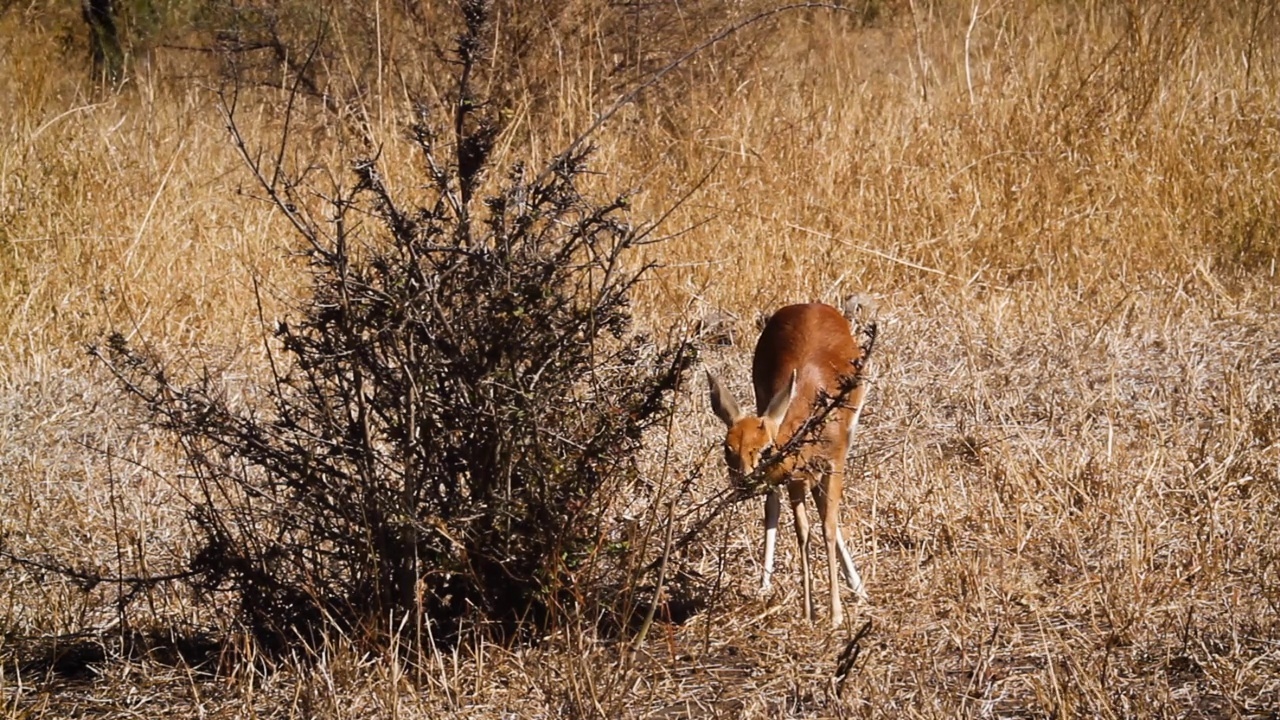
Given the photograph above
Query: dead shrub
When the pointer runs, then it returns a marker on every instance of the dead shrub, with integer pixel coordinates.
(450, 413)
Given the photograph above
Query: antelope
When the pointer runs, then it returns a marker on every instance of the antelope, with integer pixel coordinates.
(804, 353)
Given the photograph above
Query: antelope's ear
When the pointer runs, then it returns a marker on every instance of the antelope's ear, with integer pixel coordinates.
(781, 402)
(722, 403)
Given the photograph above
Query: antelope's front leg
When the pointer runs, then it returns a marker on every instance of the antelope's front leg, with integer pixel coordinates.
(796, 491)
(772, 510)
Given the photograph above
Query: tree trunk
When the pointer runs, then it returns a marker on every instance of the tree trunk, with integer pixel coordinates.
(104, 40)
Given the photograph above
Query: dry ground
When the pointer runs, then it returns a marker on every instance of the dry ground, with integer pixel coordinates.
(1065, 499)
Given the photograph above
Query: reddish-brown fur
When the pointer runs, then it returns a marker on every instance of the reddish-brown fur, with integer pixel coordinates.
(802, 350)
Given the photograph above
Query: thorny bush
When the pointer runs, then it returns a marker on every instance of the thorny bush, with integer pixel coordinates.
(449, 415)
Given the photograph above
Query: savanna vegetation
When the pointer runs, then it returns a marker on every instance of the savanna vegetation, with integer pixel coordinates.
(248, 248)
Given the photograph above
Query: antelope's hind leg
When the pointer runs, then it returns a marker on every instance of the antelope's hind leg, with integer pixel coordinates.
(826, 497)
(850, 572)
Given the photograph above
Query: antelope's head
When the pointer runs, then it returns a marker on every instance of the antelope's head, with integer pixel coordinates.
(750, 439)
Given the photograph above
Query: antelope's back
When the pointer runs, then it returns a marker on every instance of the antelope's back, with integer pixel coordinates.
(817, 342)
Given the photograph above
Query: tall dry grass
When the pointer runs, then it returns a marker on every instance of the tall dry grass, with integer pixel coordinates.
(1064, 495)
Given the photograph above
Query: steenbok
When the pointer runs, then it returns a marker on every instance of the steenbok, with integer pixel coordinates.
(805, 360)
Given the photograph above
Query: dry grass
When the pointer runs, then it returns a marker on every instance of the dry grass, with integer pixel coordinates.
(1065, 492)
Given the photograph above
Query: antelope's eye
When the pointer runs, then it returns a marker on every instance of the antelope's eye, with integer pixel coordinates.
(767, 451)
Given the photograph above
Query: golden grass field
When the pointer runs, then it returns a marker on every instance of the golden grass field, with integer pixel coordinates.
(1065, 491)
